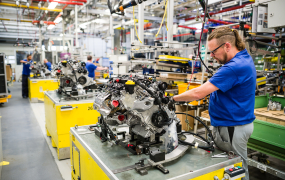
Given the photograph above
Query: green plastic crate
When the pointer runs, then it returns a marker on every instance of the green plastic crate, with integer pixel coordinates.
(268, 138)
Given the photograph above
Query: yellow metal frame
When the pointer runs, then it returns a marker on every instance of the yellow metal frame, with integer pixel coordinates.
(219, 173)
(37, 88)
(3, 100)
(30, 7)
(58, 123)
(89, 169)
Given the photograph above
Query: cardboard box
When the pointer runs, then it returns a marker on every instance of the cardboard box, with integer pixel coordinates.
(205, 114)
(171, 75)
(8, 73)
(262, 118)
(275, 121)
(182, 117)
(198, 76)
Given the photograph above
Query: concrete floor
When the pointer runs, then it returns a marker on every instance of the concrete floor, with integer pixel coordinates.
(29, 150)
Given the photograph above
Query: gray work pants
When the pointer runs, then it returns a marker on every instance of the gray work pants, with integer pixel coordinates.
(238, 144)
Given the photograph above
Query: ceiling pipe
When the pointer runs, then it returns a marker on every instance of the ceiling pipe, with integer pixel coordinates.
(193, 28)
(62, 2)
(246, 26)
(3, 19)
(45, 22)
(222, 11)
(30, 7)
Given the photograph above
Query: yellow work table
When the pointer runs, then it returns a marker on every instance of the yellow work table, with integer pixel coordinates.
(61, 115)
(91, 159)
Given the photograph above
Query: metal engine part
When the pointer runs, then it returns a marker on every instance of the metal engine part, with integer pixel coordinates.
(73, 77)
(139, 103)
(39, 70)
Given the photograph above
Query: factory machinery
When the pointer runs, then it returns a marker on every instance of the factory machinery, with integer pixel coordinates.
(39, 70)
(136, 115)
(74, 80)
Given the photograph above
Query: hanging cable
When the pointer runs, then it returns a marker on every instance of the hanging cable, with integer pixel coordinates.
(166, 17)
(162, 19)
(135, 25)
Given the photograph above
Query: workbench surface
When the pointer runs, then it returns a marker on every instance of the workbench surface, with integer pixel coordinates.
(194, 163)
(58, 99)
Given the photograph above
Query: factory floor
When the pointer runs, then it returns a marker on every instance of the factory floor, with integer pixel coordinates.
(30, 153)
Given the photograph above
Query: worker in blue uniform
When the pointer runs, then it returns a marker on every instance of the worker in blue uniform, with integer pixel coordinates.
(91, 67)
(48, 64)
(232, 93)
(25, 74)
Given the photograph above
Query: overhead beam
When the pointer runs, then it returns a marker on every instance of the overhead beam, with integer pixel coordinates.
(30, 7)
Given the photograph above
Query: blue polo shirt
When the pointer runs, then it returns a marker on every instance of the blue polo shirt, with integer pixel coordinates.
(26, 68)
(233, 103)
(48, 66)
(91, 68)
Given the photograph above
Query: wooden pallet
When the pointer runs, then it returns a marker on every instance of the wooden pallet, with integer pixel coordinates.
(276, 117)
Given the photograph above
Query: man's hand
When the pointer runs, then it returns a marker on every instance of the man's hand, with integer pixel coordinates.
(196, 93)
(106, 68)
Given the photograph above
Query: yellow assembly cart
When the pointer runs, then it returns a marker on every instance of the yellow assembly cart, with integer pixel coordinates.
(38, 86)
(61, 115)
(92, 160)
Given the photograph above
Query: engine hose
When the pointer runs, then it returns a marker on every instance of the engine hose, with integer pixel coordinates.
(209, 147)
(198, 119)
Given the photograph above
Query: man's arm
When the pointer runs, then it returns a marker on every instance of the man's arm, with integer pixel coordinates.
(196, 93)
(101, 68)
(22, 61)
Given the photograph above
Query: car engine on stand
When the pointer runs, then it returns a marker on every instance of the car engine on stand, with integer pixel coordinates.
(74, 80)
(136, 114)
(39, 70)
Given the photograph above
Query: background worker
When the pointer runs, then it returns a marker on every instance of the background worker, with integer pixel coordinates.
(25, 74)
(91, 67)
(232, 89)
(48, 64)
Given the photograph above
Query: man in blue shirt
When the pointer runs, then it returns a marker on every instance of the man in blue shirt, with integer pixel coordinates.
(91, 67)
(25, 74)
(232, 89)
(48, 64)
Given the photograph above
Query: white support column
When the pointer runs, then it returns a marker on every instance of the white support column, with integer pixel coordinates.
(63, 35)
(141, 22)
(112, 34)
(132, 35)
(240, 11)
(40, 44)
(76, 25)
(170, 14)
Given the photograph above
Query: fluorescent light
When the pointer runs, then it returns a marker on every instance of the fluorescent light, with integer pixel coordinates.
(58, 20)
(51, 26)
(52, 5)
(228, 4)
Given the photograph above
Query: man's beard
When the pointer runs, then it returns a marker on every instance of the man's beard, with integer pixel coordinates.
(224, 60)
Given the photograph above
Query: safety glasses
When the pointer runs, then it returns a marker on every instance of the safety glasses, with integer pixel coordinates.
(217, 49)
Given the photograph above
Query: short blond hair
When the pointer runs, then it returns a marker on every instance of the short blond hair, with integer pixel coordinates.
(225, 34)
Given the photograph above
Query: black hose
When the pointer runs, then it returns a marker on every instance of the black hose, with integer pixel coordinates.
(205, 12)
(210, 147)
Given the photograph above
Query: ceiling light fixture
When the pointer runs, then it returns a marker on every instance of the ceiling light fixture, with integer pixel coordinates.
(52, 5)
(58, 20)
(51, 26)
